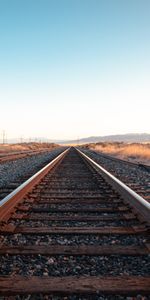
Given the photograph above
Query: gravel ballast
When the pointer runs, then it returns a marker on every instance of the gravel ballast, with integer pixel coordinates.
(132, 175)
(13, 173)
(45, 223)
(98, 296)
(57, 239)
(39, 265)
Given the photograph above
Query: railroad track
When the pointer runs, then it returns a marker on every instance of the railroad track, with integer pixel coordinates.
(6, 157)
(73, 231)
(14, 173)
(130, 163)
(136, 176)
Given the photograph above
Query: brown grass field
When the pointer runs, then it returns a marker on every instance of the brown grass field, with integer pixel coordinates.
(4, 148)
(135, 152)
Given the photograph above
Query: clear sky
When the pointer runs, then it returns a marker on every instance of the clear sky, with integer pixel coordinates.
(74, 68)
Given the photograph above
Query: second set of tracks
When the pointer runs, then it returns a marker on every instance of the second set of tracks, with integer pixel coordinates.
(72, 235)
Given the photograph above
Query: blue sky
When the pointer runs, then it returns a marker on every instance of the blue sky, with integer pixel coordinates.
(74, 68)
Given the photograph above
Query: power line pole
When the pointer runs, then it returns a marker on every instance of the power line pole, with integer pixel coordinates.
(3, 136)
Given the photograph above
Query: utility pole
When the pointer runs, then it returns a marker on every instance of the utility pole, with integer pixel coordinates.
(3, 136)
(6, 138)
(21, 139)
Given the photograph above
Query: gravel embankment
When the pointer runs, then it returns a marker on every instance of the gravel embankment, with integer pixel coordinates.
(132, 175)
(13, 173)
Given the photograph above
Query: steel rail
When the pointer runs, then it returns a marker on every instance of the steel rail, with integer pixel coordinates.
(14, 197)
(131, 163)
(131, 197)
(15, 156)
(72, 175)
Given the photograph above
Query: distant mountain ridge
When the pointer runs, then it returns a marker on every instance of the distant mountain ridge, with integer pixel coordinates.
(128, 138)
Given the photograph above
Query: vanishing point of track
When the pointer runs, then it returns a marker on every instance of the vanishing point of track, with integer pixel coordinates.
(72, 231)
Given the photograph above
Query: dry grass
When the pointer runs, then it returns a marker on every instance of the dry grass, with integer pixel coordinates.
(132, 152)
(26, 146)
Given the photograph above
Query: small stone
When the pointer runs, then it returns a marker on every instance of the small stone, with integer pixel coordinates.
(113, 242)
(50, 261)
(38, 267)
(78, 268)
(65, 258)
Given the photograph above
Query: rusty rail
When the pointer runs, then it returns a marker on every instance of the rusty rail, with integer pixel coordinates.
(131, 197)
(45, 249)
(10, 201)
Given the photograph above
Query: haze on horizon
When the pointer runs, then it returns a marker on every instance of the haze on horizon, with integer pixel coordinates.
(74, 68)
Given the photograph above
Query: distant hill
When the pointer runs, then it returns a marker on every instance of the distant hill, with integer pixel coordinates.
(127, 138)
